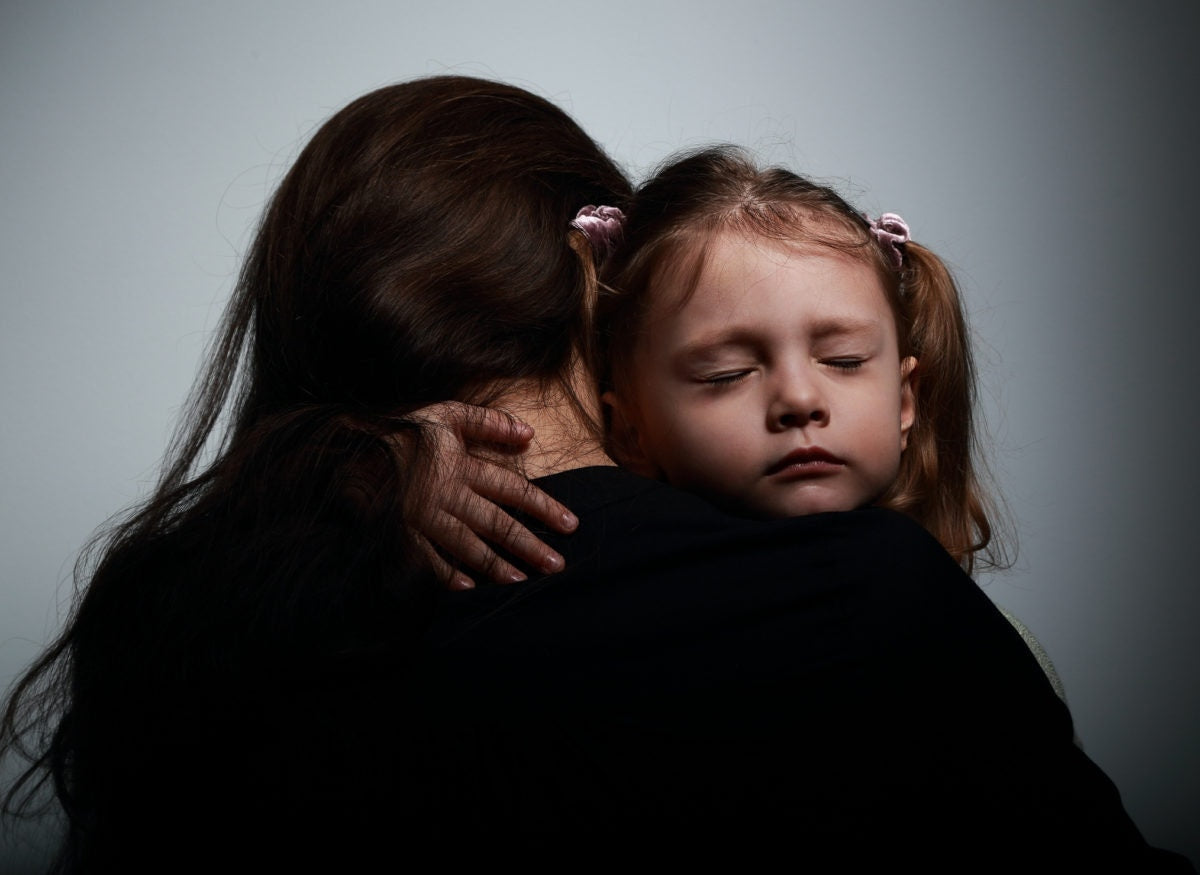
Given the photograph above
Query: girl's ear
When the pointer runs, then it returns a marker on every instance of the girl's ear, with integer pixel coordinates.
(908, 398)
(623, 443)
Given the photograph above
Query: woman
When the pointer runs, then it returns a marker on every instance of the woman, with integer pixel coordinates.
(262, 670)
(414, 253)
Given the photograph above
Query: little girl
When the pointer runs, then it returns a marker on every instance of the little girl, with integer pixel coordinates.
(763, 344)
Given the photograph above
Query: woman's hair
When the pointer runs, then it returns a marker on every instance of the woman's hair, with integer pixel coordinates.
(719, 189)
(419, 250)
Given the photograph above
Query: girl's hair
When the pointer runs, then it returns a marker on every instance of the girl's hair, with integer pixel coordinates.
(719, 189)
(418, 250)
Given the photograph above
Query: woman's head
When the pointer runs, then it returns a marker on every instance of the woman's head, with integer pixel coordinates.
(418, 250)
(762, 346)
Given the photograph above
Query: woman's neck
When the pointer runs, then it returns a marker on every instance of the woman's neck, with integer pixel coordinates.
(565, 434)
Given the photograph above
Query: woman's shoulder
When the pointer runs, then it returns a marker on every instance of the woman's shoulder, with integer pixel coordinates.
(595, 489)
(623, 514)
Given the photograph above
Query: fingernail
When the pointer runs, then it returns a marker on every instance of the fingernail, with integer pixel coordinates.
(463, 583)
(553, 562)
(570, 521)
(514, 576)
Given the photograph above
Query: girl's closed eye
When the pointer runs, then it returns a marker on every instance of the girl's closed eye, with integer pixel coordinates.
(844, 363)
(727, 378)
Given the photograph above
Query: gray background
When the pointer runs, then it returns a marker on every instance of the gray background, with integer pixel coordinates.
(1045, 150)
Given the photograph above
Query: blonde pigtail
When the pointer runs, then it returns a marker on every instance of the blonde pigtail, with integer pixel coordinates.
(938, 484)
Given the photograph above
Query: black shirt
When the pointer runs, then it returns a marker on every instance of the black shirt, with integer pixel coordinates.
(832, 687)
(830, 691)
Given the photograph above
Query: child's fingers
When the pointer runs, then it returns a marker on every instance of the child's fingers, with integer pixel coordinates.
(487, 425)
(460, 542)
(476, 424)
(507, 487)
(462, 516)
(449, 576)
(488, 521)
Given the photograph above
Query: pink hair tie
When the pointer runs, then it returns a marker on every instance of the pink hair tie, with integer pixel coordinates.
(603, 227)
(892, 232)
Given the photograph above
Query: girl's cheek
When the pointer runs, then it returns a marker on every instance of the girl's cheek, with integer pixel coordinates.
(692, 428)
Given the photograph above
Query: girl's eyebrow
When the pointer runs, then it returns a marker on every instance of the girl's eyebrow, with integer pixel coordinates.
(843, 326)
(717, 341)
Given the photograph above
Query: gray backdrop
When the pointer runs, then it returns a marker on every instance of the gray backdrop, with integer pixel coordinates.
(1044, 149)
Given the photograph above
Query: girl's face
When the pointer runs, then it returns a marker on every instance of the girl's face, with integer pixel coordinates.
(778, 386)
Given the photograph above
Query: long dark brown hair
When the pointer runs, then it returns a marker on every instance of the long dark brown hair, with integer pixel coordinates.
(417, 251)
(720, 188)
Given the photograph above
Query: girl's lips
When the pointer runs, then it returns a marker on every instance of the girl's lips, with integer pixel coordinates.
(807, 462)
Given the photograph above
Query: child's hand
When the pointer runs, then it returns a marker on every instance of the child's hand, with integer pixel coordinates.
(461, 515)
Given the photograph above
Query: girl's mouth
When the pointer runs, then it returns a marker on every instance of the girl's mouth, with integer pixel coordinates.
(807, 462)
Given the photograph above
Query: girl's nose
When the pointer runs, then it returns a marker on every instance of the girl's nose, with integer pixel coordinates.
(797, 402)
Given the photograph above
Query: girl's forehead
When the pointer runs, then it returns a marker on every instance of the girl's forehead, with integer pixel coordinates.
(732, 262)
(732, 248)
(768, 288)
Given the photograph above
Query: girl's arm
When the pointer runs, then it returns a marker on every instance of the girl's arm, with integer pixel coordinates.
(462, 520)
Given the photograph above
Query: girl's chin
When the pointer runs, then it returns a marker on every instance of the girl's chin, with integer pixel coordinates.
(783, 501)
(803, 502)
